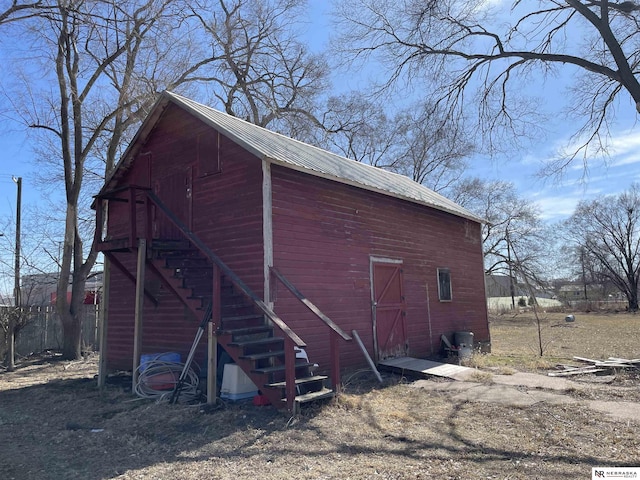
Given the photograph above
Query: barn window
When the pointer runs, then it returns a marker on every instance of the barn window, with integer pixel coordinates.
(209, 161)
(444, 284)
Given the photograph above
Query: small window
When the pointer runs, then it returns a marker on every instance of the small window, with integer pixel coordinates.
(444, 284)
(209, 162)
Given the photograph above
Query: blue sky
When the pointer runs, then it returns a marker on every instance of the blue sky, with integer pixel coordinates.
(555, 197)
(556, 200)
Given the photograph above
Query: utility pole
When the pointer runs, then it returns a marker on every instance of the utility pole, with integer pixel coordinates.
(511, 287)
(16, 290)
(584, 275)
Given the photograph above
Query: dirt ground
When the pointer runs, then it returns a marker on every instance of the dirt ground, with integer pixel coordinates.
(55, 424)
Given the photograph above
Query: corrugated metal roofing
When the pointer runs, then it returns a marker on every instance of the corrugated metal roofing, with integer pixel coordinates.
(297, 155)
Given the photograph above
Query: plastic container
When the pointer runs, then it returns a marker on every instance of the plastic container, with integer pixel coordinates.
(146, 359)
(235, 384)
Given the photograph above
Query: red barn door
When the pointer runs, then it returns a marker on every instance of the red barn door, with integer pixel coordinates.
(389, 308)
(176, 192)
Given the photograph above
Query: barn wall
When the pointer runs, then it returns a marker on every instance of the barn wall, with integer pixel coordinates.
(324, 234)
(169, 326)
(223, 209)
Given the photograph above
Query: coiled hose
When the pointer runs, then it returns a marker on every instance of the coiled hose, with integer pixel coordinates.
(157, 379)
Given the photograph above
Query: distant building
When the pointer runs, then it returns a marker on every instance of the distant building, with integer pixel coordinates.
(574, 291)
(40, 289)
(500, 286)
(571, 292)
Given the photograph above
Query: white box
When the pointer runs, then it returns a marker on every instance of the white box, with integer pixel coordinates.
(236, 385)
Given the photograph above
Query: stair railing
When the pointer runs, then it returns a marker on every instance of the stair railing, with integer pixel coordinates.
(126, 194)
(335, 332)
(291, 340)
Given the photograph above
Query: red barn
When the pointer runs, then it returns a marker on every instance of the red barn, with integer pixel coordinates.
(286, 245)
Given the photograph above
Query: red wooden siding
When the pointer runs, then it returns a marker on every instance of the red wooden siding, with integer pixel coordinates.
(167, 327)
(324, 236)
(223, 209)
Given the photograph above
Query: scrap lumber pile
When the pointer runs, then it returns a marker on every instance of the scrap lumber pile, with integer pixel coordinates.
(594, 366)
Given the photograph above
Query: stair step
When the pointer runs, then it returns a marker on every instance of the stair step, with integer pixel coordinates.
(186, 262)
(230, 309)
(177, 254)
(263, 355)
(312, 396)
(246, 331)
(299, 381)
(281, 368)
(198, 291)
(240, 318)
(159, 244)
(235, 298)
(200, 271)
(202, 298)
(260, 341)
(238, 310)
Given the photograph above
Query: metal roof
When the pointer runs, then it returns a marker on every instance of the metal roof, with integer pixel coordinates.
(297, 155)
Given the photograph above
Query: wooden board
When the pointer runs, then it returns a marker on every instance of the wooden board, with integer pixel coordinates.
(418, 366)
(576, 371)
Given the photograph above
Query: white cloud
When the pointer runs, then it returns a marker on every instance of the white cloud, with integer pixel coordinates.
(626, 141)
(557, 207)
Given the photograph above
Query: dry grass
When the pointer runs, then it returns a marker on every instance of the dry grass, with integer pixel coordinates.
(596, 336)
(54, 424)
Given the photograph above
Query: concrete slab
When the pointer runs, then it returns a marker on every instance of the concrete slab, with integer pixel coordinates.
(526, 390)
(618, 410)
(534, 380)
(492, 393)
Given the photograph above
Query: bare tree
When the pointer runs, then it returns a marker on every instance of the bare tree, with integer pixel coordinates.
(584, 270)
(14, 316)
(258, 68)
(434, 148)
(473, 52)
(513, 234)
(362, 131)
(14, 11)
(102, 56)
(608, 229)
(417, 141)
(110, 59)
(10, 317)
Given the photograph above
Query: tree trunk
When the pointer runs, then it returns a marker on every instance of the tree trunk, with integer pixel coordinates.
(72, 336)
(632, 296)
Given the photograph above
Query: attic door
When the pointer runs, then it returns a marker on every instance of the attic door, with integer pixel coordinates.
(176, 192)
(388, 308)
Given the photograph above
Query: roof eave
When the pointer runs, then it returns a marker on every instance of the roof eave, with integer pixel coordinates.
(137, 141)
(371, 188)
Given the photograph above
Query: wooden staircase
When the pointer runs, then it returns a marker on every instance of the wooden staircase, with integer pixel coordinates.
(244, 332)
(255, 337)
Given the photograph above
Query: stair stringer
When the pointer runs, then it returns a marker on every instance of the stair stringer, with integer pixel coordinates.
(189, 290)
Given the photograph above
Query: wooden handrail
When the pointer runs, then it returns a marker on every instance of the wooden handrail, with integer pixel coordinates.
(205, 250)
(307, 303)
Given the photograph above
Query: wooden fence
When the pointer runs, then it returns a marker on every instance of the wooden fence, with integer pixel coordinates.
(44, 330)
